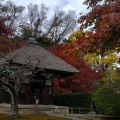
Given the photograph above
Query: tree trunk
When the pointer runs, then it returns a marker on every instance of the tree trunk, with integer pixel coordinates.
(14, 99)
(14, 106)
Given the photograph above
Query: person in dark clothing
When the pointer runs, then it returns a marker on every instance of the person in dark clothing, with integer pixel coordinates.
(37, 98)
(94, 106)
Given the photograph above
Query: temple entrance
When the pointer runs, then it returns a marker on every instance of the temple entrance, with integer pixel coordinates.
(27, 92)
(45, 95)
(33, 87)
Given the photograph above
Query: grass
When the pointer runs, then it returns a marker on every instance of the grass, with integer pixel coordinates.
(32, 117)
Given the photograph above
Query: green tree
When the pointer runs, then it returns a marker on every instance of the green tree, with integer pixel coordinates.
(106, 65)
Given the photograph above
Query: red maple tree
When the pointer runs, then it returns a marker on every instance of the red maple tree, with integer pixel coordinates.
(6, 44)
(104, 21)
(81, 82)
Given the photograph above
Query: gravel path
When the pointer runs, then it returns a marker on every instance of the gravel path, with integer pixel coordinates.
(65, 116)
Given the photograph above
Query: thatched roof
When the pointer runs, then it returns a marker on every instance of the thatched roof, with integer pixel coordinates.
(34, 54)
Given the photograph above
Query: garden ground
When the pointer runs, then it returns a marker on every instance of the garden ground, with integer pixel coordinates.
(32, 117)
(59, 117)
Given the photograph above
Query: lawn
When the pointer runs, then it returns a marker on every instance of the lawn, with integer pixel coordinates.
(32, 117)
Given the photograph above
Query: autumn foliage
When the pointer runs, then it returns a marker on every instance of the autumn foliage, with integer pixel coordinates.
(104, 20)
(103, 36)
(6, 44)
(81, 82)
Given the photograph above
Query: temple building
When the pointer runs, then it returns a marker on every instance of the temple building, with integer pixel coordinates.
(51, 64)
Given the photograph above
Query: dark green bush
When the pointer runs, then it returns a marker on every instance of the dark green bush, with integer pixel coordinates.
(1, 94)
(108, 101)
(76, 100)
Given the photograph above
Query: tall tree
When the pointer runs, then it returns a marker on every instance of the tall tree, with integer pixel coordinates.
(12, 14)
(53, 28)
(61, 25)
(33, 14)
(104, 21)
(6, 44)
(106, 65)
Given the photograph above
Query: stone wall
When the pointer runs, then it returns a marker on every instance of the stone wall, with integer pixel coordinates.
(28, 109)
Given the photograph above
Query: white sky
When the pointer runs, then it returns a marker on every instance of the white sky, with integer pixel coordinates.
(66, 5)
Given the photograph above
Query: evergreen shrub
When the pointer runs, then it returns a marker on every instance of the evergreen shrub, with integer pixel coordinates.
(108, 101)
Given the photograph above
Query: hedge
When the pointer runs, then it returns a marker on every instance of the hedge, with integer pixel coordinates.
(108, 101)
(76, 100)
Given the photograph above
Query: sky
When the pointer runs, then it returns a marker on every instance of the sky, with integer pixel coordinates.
(66, 5)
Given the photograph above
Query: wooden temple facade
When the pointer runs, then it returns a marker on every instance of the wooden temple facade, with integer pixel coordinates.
(26, 94)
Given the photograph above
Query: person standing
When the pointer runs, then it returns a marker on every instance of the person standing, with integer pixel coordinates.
(37, 99)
